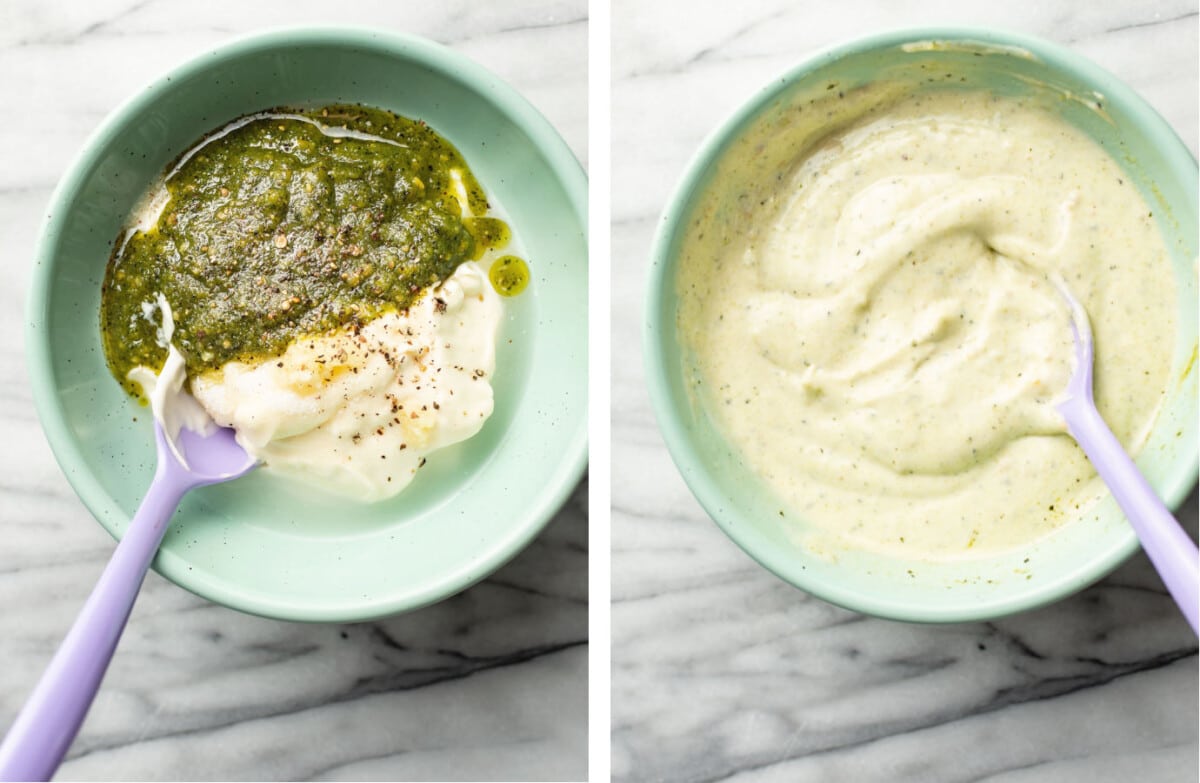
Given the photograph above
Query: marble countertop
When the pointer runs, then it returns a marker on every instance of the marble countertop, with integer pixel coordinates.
(489, 684)
(723, 672)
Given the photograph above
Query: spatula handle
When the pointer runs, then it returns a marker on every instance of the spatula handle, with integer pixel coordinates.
(47, 724)
(1170, 548)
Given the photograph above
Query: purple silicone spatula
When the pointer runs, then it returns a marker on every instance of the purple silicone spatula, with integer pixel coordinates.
(47, 724)
(1171, 551)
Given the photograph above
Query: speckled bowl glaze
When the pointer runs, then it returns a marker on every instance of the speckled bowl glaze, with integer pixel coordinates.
(263, 544)
(1079, 552)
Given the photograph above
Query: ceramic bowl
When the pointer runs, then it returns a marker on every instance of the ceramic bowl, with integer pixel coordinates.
(1079, 552)
(267, 545)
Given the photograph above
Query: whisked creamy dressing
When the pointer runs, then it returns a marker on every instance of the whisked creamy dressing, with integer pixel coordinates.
(871, 323)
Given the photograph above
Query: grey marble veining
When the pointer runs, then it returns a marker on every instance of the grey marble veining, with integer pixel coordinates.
(489, 684)
(723, 672)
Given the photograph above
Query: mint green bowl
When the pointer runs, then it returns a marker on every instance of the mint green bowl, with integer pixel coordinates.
(1078, 553)
(270, 546)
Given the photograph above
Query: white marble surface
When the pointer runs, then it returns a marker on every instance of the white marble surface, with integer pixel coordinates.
(490, 684)
(723, 672)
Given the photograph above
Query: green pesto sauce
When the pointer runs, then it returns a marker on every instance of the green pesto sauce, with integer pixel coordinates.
(276, 230)
(509, 275)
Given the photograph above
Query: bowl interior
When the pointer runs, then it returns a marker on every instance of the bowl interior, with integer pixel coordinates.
(1077, 553)
(268, 545)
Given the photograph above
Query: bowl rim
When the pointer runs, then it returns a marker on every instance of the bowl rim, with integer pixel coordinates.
(655, 332)
(453, 65)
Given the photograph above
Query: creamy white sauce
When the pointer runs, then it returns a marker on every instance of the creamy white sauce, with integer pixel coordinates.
(358, 411)
(871, 320)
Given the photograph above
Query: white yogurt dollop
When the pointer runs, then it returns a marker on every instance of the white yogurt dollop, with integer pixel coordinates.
(356, 411)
